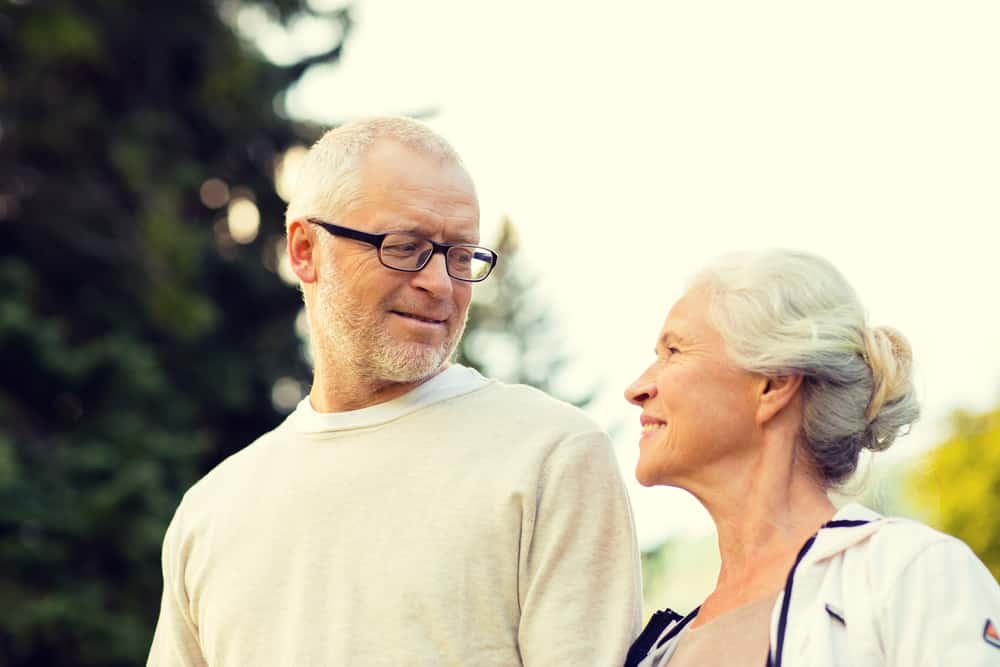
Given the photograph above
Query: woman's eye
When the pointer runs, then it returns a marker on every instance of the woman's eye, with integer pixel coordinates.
(667, 352)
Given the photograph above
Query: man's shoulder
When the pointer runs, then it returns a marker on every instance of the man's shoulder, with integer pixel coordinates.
(526, 402)
(236, 469)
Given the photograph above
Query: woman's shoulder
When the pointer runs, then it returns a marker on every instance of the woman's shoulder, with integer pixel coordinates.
(904, 539)
(927, 592)
(897, 546)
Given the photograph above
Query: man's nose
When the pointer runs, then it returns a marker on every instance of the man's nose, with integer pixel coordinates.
(434, 278)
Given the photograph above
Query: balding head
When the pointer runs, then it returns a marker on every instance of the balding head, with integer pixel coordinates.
(329, 181)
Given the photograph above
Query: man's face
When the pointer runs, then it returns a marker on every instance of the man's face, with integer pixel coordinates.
(391, 326)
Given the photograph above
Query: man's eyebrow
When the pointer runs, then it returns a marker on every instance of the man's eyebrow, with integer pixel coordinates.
(419, 230)
(402, 228)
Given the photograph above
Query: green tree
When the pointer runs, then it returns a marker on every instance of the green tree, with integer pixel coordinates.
(140, 336)
(958, 484)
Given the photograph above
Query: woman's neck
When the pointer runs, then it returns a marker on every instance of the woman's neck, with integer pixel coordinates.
(760, 540)
(764, 513)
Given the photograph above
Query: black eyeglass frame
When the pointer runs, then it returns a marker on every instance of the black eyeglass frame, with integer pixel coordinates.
(377, 239)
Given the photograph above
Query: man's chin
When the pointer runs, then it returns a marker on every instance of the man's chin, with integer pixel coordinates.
(413, 362)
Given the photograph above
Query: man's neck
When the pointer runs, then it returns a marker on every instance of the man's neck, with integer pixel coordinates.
(341, 393)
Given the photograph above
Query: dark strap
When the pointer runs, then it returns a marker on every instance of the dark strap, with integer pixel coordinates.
(644, 642)
(845, 523)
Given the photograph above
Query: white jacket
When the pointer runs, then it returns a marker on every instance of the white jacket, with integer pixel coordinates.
(868, 590)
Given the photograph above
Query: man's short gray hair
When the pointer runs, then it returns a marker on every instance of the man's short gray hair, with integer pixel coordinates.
(329, 180)
(783, 313)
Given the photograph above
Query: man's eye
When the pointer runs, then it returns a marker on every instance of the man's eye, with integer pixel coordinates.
(399, 249)
(461, 256)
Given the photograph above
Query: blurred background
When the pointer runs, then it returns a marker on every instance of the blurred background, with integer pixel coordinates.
(149, 327)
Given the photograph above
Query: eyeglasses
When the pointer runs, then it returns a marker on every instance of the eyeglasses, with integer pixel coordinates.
(407, 252)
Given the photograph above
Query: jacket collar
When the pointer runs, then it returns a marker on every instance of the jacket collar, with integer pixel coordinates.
(852, 524)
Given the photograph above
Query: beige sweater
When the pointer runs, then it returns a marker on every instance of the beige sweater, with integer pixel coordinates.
(485, 528)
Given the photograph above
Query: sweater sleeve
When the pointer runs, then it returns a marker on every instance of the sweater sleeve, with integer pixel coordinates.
(579, 587)
(937, 611)
(175, 641)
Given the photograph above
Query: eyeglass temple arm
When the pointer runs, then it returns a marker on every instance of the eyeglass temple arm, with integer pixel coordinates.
(337, 230)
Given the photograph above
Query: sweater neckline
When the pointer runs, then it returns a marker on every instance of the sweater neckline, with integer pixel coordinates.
(453, 381)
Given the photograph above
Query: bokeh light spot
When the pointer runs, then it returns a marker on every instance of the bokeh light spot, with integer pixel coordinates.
(214, 193)
(286, 394)
(244, 220)
(286, 171)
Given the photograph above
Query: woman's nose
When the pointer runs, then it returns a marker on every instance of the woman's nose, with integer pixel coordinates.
(640, 391)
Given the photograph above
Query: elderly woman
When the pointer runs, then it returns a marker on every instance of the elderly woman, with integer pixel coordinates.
(766, 386)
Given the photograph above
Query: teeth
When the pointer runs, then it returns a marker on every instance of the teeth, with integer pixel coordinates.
(651, 427)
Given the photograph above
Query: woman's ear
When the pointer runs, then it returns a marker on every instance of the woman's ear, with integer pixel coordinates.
(302, 250)
(775, 395)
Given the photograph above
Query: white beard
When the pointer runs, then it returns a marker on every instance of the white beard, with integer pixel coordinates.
(355, 338)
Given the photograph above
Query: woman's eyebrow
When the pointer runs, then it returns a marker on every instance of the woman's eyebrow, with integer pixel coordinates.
(670, 337)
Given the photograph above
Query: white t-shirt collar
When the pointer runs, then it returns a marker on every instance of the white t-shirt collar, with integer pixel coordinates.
(451, 382)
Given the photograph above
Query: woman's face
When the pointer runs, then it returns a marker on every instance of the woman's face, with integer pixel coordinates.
(698, 407)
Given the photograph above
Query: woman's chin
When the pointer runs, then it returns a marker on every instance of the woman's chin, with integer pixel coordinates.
(647, 476)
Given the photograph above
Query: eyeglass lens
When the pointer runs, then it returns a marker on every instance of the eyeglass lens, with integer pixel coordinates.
(411, 253)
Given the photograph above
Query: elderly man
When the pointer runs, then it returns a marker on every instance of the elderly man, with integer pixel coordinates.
(409, 511)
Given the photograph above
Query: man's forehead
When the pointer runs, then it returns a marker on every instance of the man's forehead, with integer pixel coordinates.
(401, 190)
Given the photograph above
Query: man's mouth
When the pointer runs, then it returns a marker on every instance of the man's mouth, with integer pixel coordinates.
(418, 318)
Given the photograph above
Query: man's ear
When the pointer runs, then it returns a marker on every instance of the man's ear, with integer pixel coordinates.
(775, 395)
(302, 251)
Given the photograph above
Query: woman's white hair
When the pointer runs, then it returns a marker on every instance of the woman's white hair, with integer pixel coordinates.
(329, 180)
(783, 313)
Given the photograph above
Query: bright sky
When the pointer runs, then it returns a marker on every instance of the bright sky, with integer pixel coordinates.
(632, 141)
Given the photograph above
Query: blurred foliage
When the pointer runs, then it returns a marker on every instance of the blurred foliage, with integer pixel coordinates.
(138, 342)
(679, 573)
(657, 566)
(958, 485)
(511, 334)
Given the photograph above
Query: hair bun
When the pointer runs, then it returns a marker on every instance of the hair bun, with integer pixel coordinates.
(890, 358)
